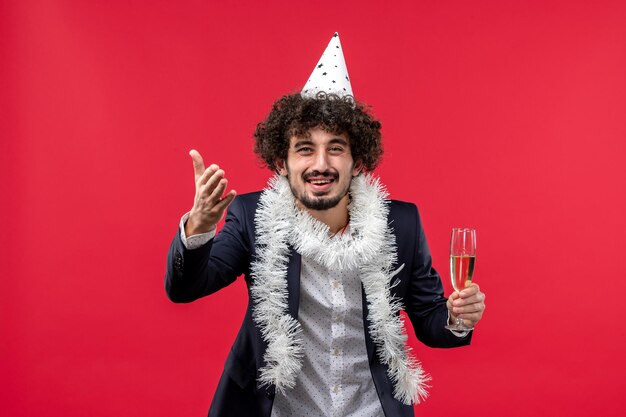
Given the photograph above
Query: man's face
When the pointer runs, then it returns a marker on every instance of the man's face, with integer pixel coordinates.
(320, 169)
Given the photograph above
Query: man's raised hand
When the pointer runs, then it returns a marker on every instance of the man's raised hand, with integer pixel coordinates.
(210, 202)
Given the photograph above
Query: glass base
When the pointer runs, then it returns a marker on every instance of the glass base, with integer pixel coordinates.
(459, 327)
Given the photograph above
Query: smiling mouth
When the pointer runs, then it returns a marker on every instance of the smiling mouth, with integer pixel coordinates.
(320, 178)
(321, 182)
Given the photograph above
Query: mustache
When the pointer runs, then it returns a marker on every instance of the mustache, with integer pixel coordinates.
(327, 174)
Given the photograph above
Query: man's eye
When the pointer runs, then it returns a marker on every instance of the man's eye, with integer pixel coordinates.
(304, 149)
(336, 149)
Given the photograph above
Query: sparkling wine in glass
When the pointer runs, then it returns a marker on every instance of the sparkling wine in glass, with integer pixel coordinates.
(462, 260)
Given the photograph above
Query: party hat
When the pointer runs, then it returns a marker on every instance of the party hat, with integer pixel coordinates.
(330, 74)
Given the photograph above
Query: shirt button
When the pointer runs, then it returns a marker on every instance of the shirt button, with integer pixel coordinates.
(336, 351)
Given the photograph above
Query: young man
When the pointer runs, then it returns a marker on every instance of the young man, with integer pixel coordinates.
(329, 263)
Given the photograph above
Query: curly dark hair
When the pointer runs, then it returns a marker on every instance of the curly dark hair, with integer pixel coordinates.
(294, 115)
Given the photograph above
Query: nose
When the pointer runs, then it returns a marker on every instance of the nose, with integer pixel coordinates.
(320, 162)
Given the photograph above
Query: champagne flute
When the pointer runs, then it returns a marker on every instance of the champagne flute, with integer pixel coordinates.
(462, 259)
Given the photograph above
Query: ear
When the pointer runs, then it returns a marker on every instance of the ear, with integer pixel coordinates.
(280, 167)
(357, 169)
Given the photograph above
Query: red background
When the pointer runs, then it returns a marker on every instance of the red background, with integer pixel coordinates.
(507, 116)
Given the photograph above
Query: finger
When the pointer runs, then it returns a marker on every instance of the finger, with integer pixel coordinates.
(461, 301)
(218, 209)
(449, 304)
(471, 290)
(198, 163)
(472, 299)
(218, 191)
(208, 185)
(469, 309)
(225, 202)
(470, 315)
(207, 174)
(454, 296)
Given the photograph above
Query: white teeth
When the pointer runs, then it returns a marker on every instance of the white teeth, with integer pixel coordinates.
(319, 182)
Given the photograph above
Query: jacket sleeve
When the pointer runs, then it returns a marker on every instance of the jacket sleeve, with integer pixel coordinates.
(194, 273)
(424, 301)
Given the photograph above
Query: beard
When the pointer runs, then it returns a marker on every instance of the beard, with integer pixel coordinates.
(319, 202)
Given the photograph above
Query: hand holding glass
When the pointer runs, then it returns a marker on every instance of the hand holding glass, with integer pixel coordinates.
(462, 259)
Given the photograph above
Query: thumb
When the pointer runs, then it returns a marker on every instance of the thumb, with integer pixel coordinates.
(198, 163)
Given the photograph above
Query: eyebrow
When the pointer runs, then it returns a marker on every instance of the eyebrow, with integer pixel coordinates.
(308, 141)
(303, 142)
(340, 141)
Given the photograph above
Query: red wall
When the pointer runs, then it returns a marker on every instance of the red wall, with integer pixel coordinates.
(503, 115)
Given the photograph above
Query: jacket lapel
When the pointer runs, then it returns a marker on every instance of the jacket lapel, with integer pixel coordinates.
(293, 282)
(369, 344)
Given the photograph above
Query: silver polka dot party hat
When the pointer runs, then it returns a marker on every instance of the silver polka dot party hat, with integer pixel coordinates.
(330, 74)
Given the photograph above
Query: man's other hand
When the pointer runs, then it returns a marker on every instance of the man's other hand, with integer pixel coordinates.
(468, 305)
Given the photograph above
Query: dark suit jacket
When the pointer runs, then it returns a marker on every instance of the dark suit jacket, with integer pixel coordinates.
(192, 274)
